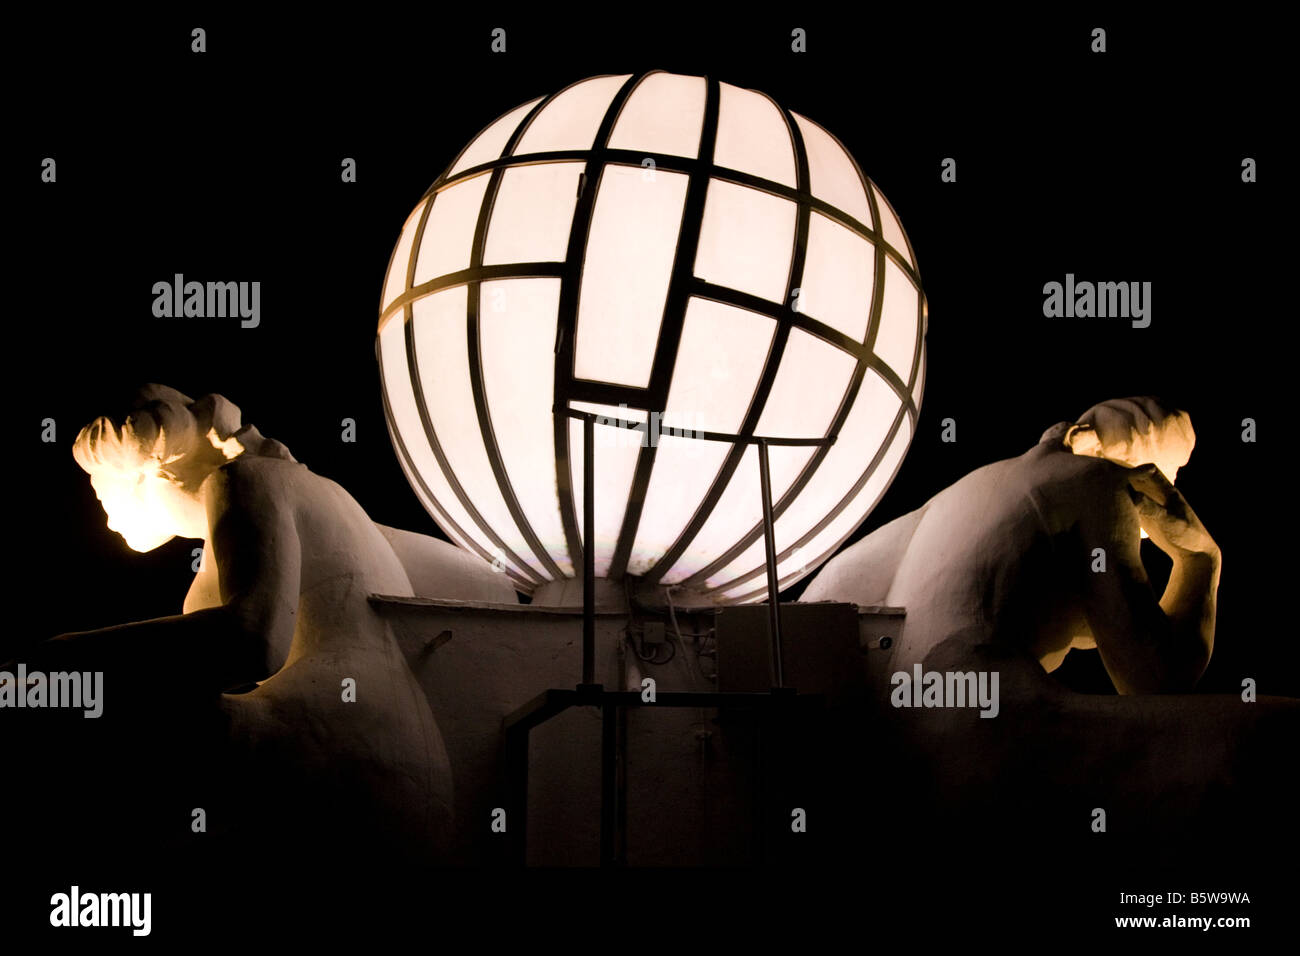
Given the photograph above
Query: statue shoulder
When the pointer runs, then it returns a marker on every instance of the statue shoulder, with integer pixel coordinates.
(252, 478)
(1063, 484)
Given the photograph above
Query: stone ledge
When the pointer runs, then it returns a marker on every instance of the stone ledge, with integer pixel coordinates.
(393, 601)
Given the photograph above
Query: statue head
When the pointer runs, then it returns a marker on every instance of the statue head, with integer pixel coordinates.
(148, 464)
(1135, 431)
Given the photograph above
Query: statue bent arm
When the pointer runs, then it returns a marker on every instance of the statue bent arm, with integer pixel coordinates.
(1145, 645)
(254, 543)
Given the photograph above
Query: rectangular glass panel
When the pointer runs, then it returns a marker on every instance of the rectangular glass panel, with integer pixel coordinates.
(892, 229)
(570, 121)
(746, 240)
(896, 340)
(753, 136)
(625, 274)
(838, 277)
(835, 533)
(441, 351)
(835, 178)
(449, 233)
(406, 421)
(395, 284)
(532, 214)
(516, 332)
(865, 429)
(720, 359)
(735, 513)
(683, 472)
(664, 114)
(615, 466)
(809, 386)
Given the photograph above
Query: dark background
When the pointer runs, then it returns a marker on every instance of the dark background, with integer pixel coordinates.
(1124, 166)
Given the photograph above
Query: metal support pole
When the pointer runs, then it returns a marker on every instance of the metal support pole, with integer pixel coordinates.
(769, 546)
(608, 782)
(588, 551)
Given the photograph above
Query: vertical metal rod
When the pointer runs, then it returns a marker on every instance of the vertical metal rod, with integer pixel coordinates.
(769, 546)
(620, 789)
(588, 551)
(608, 782)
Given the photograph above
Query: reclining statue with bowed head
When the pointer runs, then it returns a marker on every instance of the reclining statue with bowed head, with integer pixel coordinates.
(1024, 559)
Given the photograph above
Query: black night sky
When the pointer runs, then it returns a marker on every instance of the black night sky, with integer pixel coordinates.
(1124, 166)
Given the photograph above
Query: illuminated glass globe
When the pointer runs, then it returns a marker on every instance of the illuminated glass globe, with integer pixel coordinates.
(668, 251)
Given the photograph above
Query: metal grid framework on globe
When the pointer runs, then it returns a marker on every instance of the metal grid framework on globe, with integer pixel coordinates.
(683, 285)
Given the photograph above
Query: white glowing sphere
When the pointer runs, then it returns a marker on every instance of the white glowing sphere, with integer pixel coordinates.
(669, 250)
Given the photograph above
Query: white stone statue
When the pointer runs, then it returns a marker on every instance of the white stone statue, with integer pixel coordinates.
(1008, 554)
(325, 722)
(1021, 561)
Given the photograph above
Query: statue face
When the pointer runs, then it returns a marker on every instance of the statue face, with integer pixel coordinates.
(146, 507)
(148, 474)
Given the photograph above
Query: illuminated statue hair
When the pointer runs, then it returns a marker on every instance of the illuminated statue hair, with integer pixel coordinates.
(1134, 431)
(165, 430)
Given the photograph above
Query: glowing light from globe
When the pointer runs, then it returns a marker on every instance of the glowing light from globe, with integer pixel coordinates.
(665, 250)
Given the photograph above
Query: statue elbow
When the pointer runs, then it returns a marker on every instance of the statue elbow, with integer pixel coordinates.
(258, 645)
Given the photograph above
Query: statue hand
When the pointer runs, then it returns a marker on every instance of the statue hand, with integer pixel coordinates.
(1166, 516)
